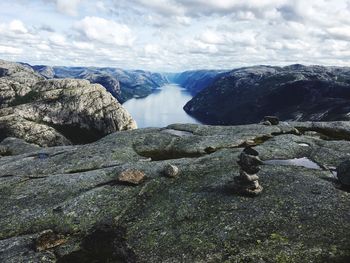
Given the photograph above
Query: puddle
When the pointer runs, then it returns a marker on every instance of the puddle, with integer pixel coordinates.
(43, 156)
(177, 132)
(302, 162)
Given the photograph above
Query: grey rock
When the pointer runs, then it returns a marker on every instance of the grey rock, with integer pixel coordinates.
(272, 119)
(299, 93)
(343, 173)
(74, 192)
(15, 146)
(60, 111)
(171, 170)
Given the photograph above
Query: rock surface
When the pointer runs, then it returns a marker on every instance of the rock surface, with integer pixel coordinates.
(343, 173)
(56, 112)
(296, 92)
(72, 192)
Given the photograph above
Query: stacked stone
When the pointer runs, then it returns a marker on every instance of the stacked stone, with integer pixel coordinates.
(247, 181)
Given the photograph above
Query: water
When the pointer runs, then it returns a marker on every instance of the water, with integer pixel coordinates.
(303, 162)
(161, 108)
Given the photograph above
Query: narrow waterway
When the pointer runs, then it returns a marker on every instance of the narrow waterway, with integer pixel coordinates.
(161, 108)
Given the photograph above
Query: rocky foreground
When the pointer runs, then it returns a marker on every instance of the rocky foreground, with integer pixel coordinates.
(167, 195)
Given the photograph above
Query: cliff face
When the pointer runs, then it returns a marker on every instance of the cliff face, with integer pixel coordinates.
(292, 93)
(122, 84)
(196, 80)
(56, 112)
(70, 204)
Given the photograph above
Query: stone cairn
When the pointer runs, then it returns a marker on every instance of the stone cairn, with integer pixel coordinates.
(247, 181)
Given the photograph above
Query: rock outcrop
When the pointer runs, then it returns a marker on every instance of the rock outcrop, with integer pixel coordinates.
(196, 80)
(66, 204)
(56, 112)
(122, 84)
(299, 93)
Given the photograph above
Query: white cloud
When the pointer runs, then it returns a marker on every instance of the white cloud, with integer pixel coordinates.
(17, 26)
(57, 39)
(175, 34)
(68, 7)
(105, 31)
(342, 32)
(10, 50)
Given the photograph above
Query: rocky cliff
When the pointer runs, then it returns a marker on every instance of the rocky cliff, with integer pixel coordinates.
(56, 112)
(167, 195)
(292, 93)
(196, 80)
(122, 84)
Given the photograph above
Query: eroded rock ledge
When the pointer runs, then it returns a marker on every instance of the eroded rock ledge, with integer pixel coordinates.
(66, 204)
(56, 112)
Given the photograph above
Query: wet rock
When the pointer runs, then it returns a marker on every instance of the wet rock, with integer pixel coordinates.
(267, 123)
(343, 173)
(131, 176)
(171, 170)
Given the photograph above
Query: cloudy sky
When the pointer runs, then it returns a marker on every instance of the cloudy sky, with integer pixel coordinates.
(169, 35)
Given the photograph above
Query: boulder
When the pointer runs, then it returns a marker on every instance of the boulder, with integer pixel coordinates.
(59, 111)
(343, 173)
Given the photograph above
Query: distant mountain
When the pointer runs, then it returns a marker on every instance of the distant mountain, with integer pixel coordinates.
(122, 84)
(294, 92)
(196, 80)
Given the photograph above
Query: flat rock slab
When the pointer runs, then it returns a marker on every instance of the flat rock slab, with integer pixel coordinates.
(301, 215)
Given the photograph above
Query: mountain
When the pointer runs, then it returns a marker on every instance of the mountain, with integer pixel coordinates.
(51, 112)
(196, 80)
(122, 84)
(293, 92)
(111, 200)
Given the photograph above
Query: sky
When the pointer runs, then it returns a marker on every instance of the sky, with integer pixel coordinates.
(169, 35)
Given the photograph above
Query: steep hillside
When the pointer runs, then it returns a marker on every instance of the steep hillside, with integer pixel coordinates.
(122, 84)
(196, 80)
(292, 93)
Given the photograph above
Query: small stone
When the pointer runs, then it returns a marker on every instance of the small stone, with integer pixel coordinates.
(48, 239)
(343, 173)
(249, 160)
(4, 150)
(272, 119)
(251, 151)
(171, 170)
(249, 169)
(254, 192)
(247, 177)
(210, 149)
(248, 143)
(266, 123)
(130, 176)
